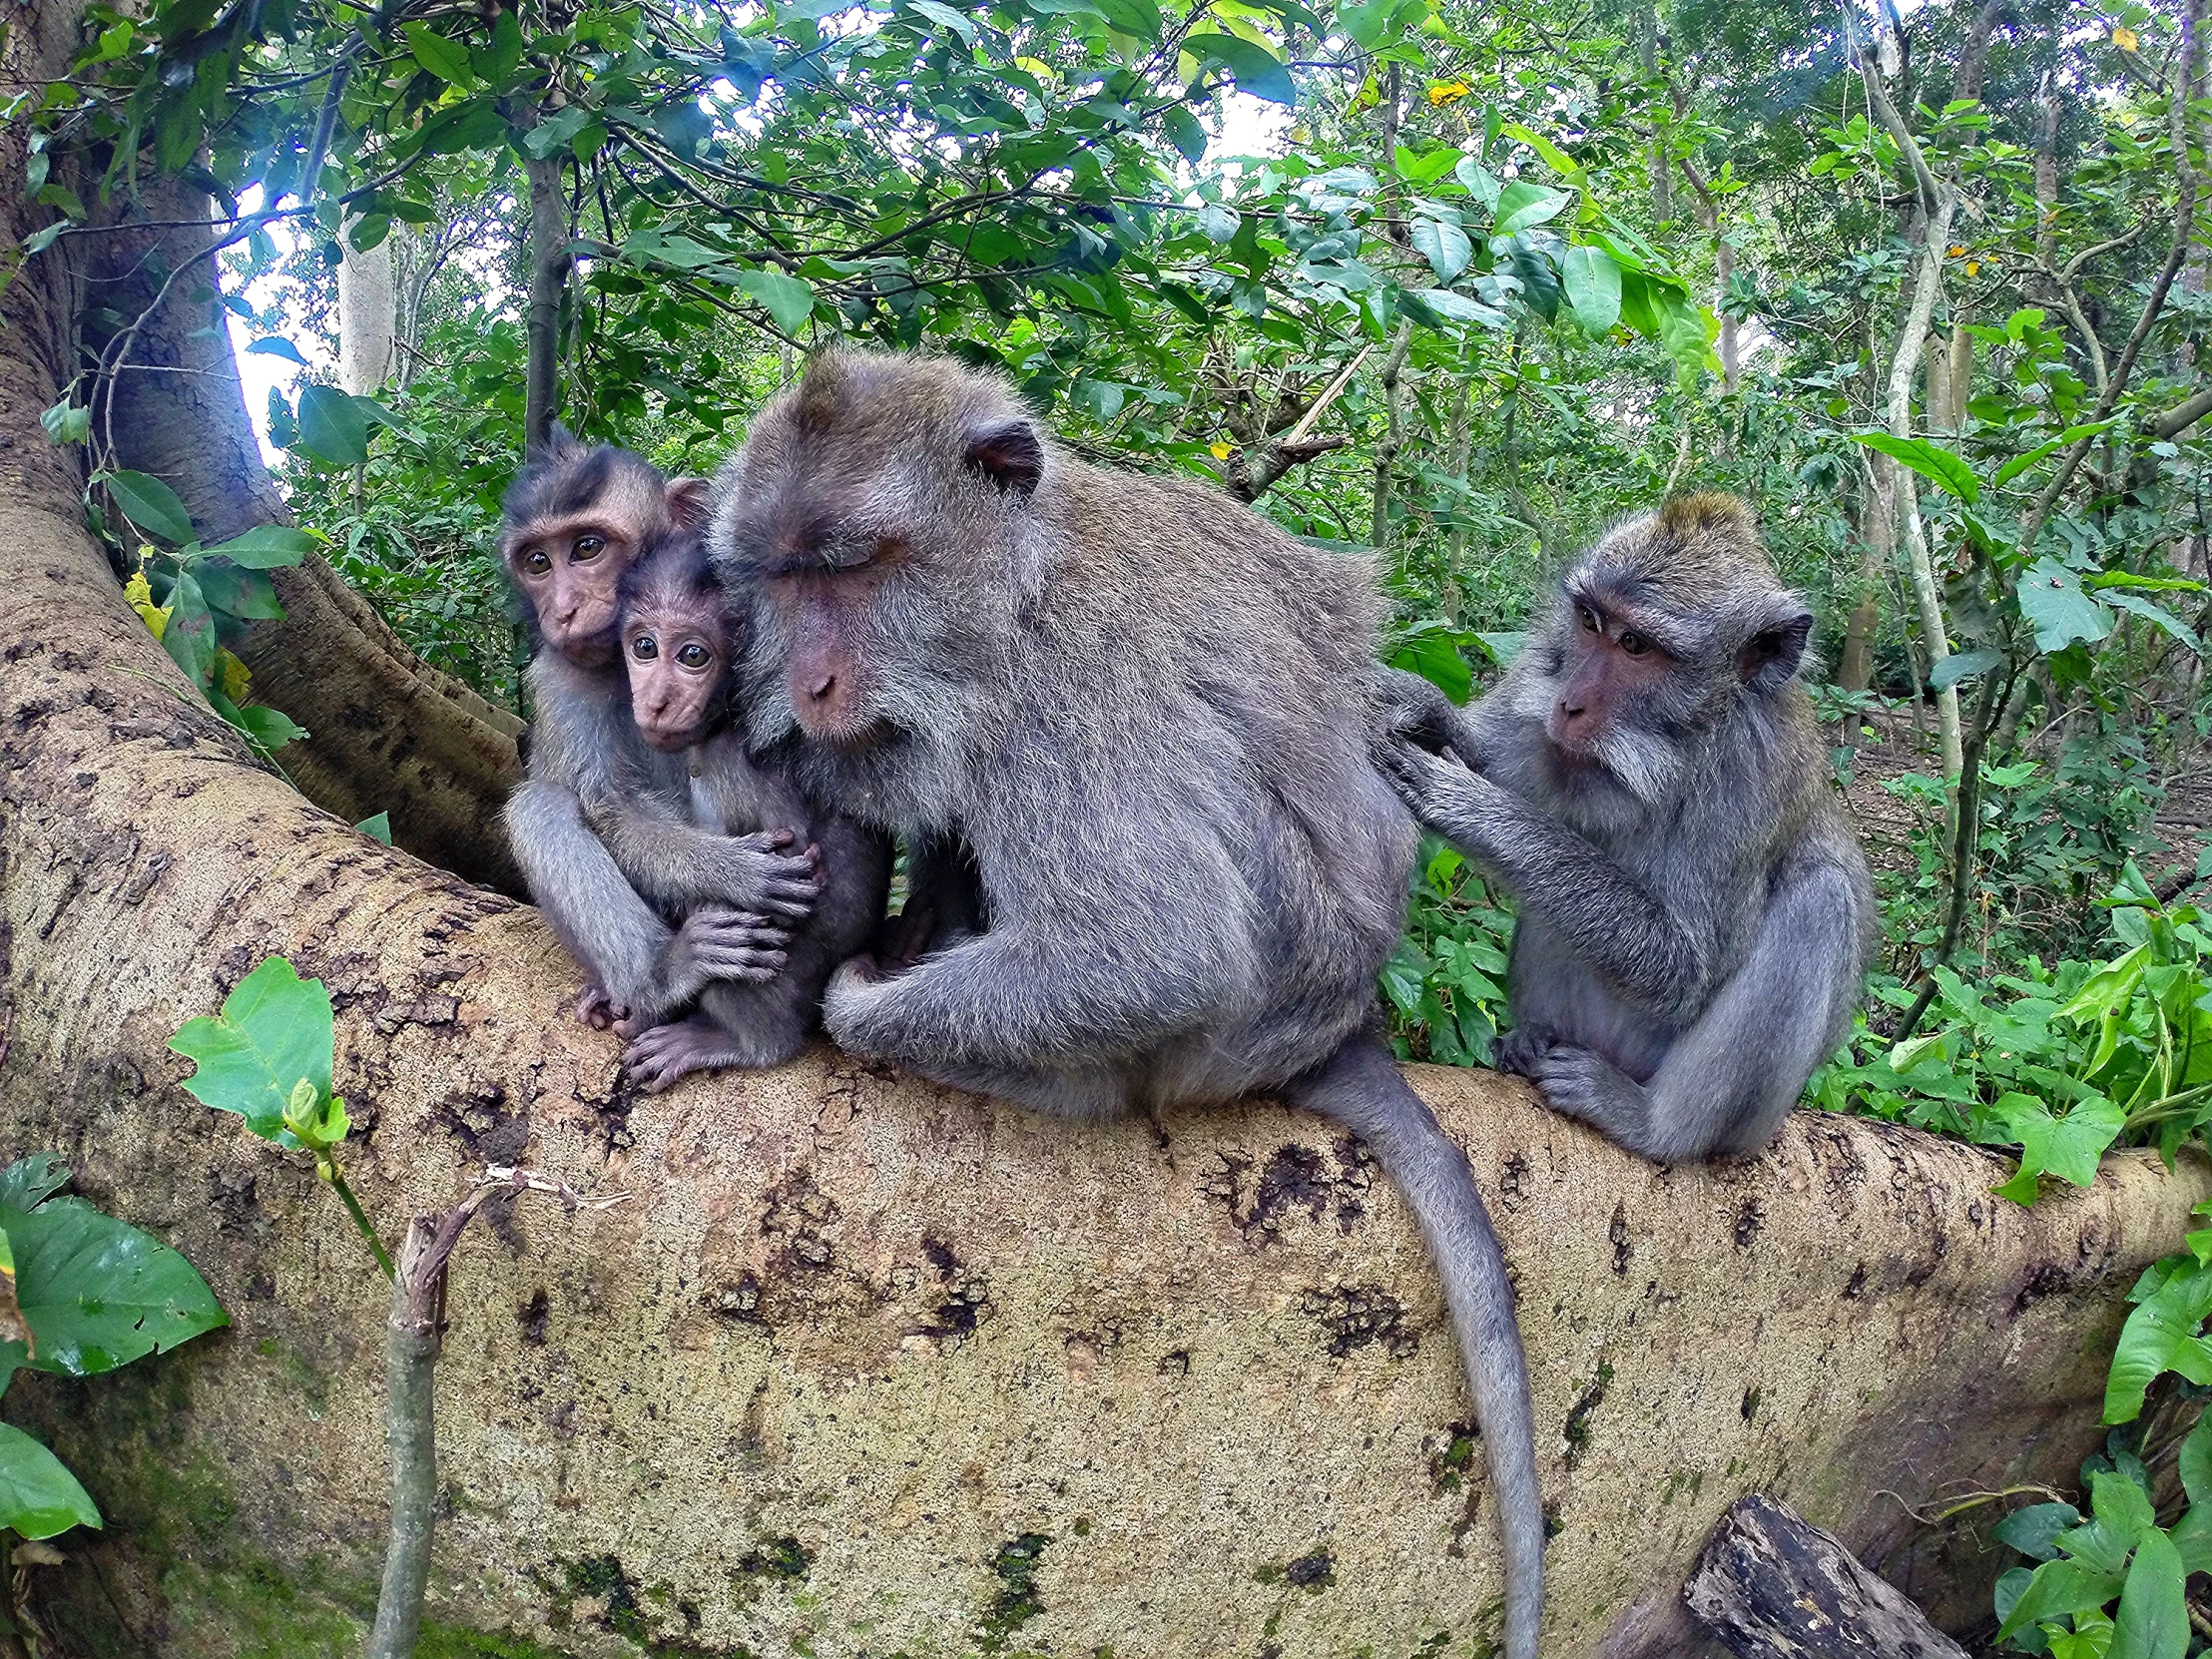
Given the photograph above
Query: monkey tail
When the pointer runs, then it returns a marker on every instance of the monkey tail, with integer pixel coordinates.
(1361, 1087)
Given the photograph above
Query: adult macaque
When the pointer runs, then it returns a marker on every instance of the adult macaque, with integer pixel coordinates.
(1136, 711)
(573, 521)
(678, 628)
(1649, 781)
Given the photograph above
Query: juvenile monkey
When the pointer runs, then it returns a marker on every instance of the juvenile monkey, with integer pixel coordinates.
(573, 521)
(1648, 780)
(1127, 719)
(678, 628)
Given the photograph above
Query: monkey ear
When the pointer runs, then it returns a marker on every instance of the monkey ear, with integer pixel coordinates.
(1772, 656)
(686, 502)
(1010, 455)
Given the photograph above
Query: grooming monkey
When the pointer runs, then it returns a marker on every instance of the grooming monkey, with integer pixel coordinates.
(573, 520)
(1126, 719)
(1648, 780)
(678, 628)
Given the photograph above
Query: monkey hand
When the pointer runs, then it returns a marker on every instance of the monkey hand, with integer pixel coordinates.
(762, 873)
(1427, 780)
(718, 943)
(1410, 708)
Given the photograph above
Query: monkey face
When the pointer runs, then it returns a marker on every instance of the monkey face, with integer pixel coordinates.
(676, 663)
(570, 572)
(1611, 666)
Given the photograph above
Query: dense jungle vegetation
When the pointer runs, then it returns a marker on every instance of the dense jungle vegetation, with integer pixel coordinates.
(1455, 283)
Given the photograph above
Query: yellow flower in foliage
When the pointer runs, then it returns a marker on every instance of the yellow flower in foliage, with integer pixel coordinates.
(1442, 93)
(1954, 251)
(1974, 267)
(1220, 451)
(2125, 38)
(140, 599)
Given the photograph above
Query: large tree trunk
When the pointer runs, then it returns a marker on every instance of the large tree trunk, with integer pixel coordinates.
(369, 315)
(388, 733)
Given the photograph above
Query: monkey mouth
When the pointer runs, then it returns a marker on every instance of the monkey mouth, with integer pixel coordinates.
(669, 740)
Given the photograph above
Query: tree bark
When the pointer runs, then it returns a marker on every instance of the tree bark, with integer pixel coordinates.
(1771, 1588)
(1875, 521)
(387, 733)
(368, 316)
(549, 262)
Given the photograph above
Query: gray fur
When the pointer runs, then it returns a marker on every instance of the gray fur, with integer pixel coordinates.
(1694, 910)
(1140, 709)
(588, 770)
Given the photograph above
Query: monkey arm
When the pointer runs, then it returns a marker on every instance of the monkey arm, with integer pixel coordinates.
(680, 864)
(1625, 934)
(611, 932)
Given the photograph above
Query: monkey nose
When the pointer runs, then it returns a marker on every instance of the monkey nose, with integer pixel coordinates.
(820, 691)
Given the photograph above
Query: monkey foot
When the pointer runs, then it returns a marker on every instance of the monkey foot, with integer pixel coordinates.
(1520, 1052)
(660, 1055)
(595, 1009)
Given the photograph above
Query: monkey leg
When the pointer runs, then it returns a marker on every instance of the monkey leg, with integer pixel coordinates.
(1362, 1088)
(1729, 1080)
(657, 1058)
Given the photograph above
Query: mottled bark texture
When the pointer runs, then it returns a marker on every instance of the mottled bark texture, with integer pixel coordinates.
(388, 733)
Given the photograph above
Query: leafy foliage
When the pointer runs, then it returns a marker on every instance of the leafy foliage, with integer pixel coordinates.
(85, 1292)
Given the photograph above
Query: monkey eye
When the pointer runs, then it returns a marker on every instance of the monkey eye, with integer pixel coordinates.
(1634, 644)
(1589, 619)
(694, 655)
(644, 648)
(587, 547)
(535, 562)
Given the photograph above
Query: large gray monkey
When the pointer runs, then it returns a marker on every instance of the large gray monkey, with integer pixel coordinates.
(1649, 781)
(573, 521)
(1135, 714)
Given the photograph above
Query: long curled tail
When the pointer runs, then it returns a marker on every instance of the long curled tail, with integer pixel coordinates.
(1361, 1087)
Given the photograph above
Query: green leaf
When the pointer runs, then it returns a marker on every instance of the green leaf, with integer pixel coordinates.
(2196, 1464)
(1446, 247)
(333, 427)
(188, 637)
(1219, 222)
(235, 591)
(1444, 305)
(789, 299)
(1594, 284)
(1962, 665)
(377, 828)
(2157, 614)
(1368, 23)
(1185, 131)
(1522, 204)
(1933, 462)
(2020, 463)
(1133, 17)
(66, 422)
(267, 547)
(149, 504)
(1258, 71)
(445, 58)
(29, 1182)
(2033, 1529)
(39, 1497)
(504, 56)
(273, 1031)
(1436, 658)
(96, 1292)
(2162, 1336)
(1555, 158)
(937, 12)
(2059, 1589)
(2192, 1536)
(2067, 1147)
(276, 345)
(2055, 606)
(2153, 1622)
(267, 726)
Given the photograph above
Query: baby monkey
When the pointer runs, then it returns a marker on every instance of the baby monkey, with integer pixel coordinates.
(679, 633)
(575, 518)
